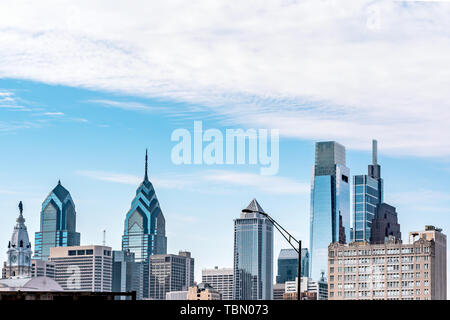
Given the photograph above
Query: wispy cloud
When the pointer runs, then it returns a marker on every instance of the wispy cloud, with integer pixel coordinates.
(210, 179)
(133, 106)
(421, 200)
(53, 113)
(111, 177)
(347, 70)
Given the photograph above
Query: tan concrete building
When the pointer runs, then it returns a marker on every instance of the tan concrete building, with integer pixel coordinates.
(203, 291)
(390, 271)
(83, 268)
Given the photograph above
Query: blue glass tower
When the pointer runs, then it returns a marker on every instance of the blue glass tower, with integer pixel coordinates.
(330, 204)
(145, 226)
(288, 265)
(253, 255)
(58, 223)
(367, 194)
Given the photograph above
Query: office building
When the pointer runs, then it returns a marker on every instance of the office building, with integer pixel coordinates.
(145, 226)
(310, 289)
(203, 291)
(278, 291)
(385, 225)
(253, 255)
(288, 265)
(330, 204)
(83, 268)
(221, 280)
(18, 263)
(170, 272)
(42, 268)
(58, 223)
(392, 270)
(125, 273)
(367, 194)
(144, 229)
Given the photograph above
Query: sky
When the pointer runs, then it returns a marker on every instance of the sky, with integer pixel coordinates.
(85, 88)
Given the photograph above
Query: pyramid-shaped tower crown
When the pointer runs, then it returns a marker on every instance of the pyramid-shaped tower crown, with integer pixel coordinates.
(253, 207)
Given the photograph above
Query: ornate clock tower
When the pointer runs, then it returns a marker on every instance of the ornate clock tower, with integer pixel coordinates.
(19, 251)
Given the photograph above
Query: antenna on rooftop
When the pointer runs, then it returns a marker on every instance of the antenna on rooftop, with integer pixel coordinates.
(104, 237)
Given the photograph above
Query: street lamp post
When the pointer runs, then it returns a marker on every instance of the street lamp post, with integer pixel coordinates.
(295, 244)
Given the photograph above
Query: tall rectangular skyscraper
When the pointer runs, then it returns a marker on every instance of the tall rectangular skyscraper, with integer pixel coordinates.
(253, 255)
(367, 195)
(330, 204)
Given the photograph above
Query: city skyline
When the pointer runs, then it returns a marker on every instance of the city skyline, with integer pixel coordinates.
(82, 96)
(67, 193)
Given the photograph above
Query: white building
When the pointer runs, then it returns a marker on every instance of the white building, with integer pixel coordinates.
(18, 263)
(308, 285)
(83, 268)
(221, 280)
(176, 295)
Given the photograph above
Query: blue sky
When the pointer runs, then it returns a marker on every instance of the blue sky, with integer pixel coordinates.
(82, 96)
(98, 153)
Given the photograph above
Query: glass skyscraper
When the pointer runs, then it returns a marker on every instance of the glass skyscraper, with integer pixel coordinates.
(330, 204)
(253, 255)
(58, 223)
(145, 229)
(367, 194)
(145, 226)
(288, 265)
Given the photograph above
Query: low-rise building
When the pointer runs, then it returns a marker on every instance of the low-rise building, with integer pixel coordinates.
(309, 288)
(203, 291)
(176, 295)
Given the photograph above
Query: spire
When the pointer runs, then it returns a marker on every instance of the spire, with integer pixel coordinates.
(59, 182)
(146, 165)
(374, 168)
(374, 152)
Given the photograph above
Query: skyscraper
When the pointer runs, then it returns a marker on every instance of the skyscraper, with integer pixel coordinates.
(253, 255)
(288, 265)
(125, 273)
(367, 194)
(330, 204)
(145, 226)
(145, 229)
(58, 223)
(18, 263)
(385, 225)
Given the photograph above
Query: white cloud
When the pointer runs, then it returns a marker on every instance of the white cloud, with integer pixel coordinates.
(268, 184)
(53, 113)
(111, 177)
(208, 180)
(422, 200)
(130, 105)
(344, 70)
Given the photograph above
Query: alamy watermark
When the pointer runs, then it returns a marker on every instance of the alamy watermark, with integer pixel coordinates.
(237, 146)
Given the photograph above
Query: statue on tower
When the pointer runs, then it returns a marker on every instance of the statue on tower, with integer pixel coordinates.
(19, 251)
